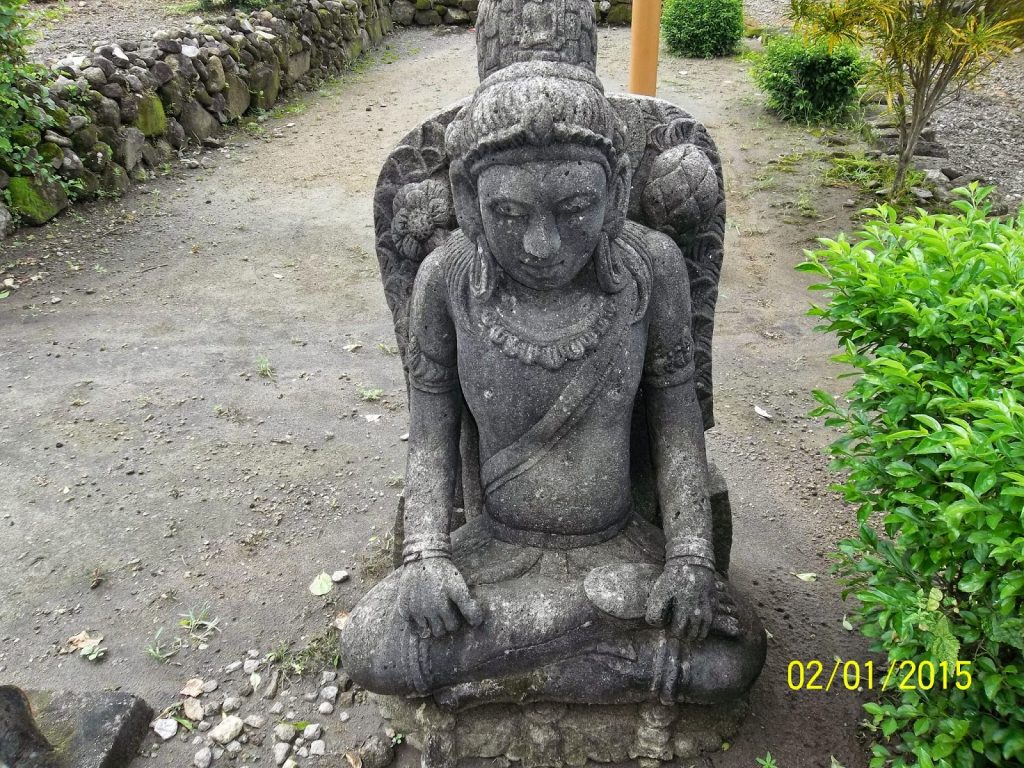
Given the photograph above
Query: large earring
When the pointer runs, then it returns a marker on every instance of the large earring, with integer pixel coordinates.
(611, 274)
(483, 274)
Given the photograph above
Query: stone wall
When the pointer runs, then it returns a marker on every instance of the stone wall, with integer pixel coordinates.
(125, 109)
(432, 12)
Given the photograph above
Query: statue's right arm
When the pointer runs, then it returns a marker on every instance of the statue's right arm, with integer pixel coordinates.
(431, 586)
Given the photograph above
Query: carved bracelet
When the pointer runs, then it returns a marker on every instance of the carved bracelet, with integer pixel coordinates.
(691, 550)
(425, 547)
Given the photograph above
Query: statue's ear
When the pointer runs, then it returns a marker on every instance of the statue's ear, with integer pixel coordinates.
(618, 198)
(467, 204)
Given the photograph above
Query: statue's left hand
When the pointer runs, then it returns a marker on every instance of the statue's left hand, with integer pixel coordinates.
(686, 596)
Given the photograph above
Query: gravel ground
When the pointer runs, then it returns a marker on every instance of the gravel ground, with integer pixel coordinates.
(84, 22)
(984, 128)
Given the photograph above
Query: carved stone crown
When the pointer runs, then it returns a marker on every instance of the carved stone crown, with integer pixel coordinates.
(511, 31)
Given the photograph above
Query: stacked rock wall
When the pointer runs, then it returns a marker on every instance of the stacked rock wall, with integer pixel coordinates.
(427, 13)
(129, 105)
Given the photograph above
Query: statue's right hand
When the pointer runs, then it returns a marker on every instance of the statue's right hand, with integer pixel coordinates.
(432, 594)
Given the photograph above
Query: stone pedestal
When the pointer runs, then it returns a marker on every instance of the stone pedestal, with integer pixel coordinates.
(545, 735)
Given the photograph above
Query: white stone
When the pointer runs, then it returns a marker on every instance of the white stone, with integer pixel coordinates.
(276, 708)
(285, 732)
(329, 693)
(165, 727)
(193, 710)
(339, 576)
(227, 729)
(255, 721)
(250, 666)
(289, 763)
(318, 747)
(325, 708)
(209, 686)
(203, 758)
(281, 752)
(234, 666)
(344, 716)
(234, 748)
(312, 732)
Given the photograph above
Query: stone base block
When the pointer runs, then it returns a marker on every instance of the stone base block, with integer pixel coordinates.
(545, 735)
(91, 730)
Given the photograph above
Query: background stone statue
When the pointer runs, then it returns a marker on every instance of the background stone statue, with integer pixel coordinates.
(558, 398)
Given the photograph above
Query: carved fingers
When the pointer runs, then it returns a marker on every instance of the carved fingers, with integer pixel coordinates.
(684, 599)
(434, 598)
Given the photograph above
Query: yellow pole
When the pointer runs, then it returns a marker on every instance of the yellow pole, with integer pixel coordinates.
(643, 58)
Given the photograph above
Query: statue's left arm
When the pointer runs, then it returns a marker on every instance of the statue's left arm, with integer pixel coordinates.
(685, 593)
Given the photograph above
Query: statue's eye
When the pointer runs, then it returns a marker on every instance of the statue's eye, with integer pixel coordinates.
(510, 209)
(575, 204)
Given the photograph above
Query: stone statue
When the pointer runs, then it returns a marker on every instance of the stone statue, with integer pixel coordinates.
(560, 549)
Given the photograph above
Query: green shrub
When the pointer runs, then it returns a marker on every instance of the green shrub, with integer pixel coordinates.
(25, 104)
(807, 81)
(702, 28)
(930, 312)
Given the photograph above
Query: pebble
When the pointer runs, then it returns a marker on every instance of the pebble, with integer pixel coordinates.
(193, 709)
(203, 758)
(377, 751)
(281, 751)
(312, 732)
(276, 708)
(209, 686)
(309, 697)
(339, 576)
(325, 708)
(329, 693)
(344, 717)
(250, 666)
(289, 763)
(234, 666)
(253, 653)
(231, 704)
(233, 748)
(318, 747)
(285, 732)
(255, 721)
(204, 725)
(328, 676)
(227, 730)
(165, 727)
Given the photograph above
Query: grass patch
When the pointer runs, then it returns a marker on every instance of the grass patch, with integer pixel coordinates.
(870, 176)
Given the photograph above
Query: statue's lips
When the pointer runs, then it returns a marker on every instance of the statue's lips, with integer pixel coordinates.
(542, 269)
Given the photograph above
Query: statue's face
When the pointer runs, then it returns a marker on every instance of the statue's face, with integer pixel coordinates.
(542, 220)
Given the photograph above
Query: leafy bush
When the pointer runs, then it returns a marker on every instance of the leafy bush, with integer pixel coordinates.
(930, 311)
(703, 28)
(25, 104)
(809, 81)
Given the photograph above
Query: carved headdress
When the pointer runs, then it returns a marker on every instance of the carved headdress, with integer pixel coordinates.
(543, 110)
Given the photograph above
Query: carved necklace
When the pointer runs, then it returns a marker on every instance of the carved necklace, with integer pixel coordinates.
(549, 350)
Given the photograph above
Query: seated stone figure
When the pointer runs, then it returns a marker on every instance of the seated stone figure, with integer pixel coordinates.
(546, 312)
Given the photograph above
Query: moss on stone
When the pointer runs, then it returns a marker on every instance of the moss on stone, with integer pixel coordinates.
(36, 201)
(151, 120)
(52, 154)
(619, 15)
(26, 136)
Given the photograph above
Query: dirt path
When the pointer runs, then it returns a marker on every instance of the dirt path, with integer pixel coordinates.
(141, 444)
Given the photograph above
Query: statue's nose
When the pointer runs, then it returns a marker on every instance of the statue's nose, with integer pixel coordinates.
(542, 241)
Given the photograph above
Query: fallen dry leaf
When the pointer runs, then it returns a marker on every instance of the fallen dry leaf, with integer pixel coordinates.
(354, 759)
(193, 688)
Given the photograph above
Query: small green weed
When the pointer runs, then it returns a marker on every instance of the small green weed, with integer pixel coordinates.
(156, 649)
(264, 369)
(371, 395)
(198, 624)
